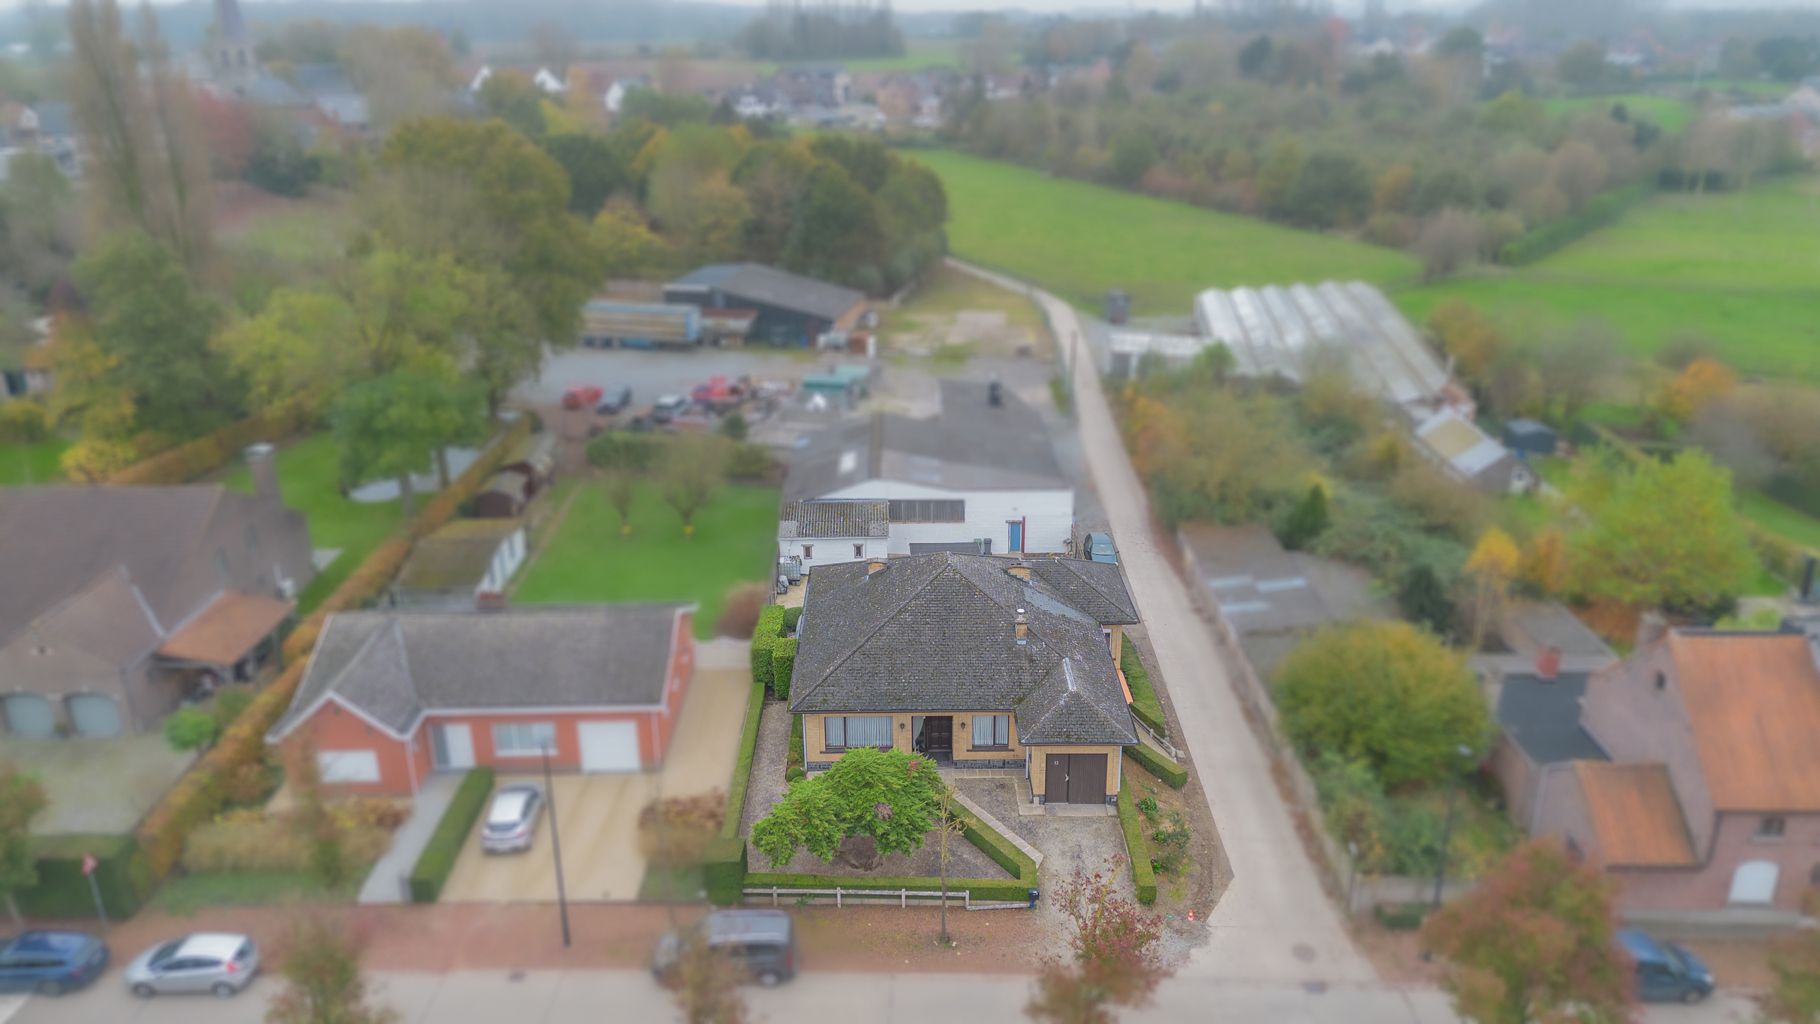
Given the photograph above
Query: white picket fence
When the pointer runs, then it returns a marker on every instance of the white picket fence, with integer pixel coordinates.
(874, 897)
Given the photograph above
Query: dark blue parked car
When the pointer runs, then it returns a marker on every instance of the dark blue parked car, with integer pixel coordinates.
(51, 963)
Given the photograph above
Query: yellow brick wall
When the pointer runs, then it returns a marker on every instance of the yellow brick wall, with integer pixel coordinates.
(815, 749)
(1039, 765)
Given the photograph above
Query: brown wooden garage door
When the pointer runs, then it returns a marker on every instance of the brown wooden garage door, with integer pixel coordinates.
(1075, 779)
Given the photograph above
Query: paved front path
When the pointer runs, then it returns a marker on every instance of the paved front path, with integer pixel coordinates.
(386, 882)
(1274, 924)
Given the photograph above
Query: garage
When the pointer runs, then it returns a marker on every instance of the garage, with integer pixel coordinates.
(1075, 779)
(92, 714)
(609, 746)
(30, 715)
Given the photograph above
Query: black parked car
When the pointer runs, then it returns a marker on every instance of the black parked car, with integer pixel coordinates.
(615, 401)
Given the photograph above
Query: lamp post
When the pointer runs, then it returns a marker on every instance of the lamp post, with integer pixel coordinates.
(562, 895)
(1453, 796)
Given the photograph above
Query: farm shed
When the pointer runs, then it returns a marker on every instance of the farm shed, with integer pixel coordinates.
(1527, 437)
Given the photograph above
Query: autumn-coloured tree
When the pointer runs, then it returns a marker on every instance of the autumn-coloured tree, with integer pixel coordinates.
(1113, 958)
(1545, 562)
(706, 983)
(1492, 565)
(320, 964)
(1698, 385)
(1535, 940)
(1468, 337)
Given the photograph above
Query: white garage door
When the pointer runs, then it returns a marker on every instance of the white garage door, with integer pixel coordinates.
(30, 715)
(609, 747)
(92, 714)
(348, 765)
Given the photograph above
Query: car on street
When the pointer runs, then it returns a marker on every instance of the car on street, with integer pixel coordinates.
(581, 396)
(761, 942)
(615, 401)
(220, 963)
(1098, 548)
(511, 819)
(1666, 972)
(668, 408)
(51, 963)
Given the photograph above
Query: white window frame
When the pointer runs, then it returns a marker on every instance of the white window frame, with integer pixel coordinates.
(510, 739)
(998, 726)
(347, 765)
(828, 730)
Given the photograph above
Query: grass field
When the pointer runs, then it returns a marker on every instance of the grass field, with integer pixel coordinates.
(1738, 269)
(308, 472)
(587, 559)
(1790, 523)
(1078, 239)
(35, 463)
(1668, 113)
(918, 54)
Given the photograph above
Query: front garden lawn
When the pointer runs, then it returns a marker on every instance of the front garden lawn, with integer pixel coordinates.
(588, 559)
(308, 476)
(186, 894)
(35, 463)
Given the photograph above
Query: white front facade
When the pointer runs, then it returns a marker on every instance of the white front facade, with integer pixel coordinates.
(816, 551)
(1044, 518)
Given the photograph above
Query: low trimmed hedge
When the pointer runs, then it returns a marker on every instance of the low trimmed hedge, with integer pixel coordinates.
(438, 857)
(783, 665)
(1137, 848)
(764, 640)
(792, 616)
(62, 891)
(724, 870)
(997, 846)
(793, 760)
(1144, 702)
(742, 761)
(1003, 890)
(1159, 765)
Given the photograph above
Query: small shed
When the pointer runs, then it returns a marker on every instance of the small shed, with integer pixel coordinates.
(462, 565)
(535, 460)
(1527, 437)
(503, 497)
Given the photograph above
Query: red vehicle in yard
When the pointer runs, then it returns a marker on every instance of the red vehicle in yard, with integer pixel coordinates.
(582, 396)
(719, 394)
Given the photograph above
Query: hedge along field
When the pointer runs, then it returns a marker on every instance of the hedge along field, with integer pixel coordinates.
(1666, 112)
(1078, 239)
(1737, 268)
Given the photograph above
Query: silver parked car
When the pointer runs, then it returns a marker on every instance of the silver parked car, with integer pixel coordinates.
(215, 962)
(511, 819)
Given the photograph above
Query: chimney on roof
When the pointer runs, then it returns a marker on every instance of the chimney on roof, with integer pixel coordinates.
(260, 462)
(874, 566)
(1021, 630)
(1022, 572)
(1650, 628)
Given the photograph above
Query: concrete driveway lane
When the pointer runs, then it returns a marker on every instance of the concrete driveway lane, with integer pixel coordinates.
(1275, 923)
(598, 814)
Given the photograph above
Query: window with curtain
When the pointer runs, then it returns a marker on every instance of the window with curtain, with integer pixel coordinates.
(991, 731)
(846, 732)
(523, 739)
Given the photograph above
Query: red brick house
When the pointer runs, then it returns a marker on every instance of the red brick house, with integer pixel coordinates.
(393, 696)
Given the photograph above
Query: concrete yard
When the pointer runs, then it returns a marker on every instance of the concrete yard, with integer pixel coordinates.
(96, 786)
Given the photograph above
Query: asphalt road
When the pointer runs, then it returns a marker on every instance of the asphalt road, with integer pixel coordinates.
(652, 373)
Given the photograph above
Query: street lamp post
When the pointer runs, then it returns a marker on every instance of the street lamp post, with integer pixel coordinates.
(1453, 796)
(562, 895)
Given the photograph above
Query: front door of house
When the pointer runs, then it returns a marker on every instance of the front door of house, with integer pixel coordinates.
(451, 746)
(1075, 779)
(937, 737)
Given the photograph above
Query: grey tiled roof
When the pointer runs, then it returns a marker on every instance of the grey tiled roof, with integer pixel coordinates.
(1097, 588)
(937, 632)
(971, 445)
(757, 283)
(394, 665)
(835, 519)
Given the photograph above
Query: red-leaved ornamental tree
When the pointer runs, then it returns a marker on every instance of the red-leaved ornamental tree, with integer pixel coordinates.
(1536, 940)
(1114, 963)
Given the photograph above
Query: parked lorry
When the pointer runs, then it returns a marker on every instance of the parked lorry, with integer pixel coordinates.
(606, 323)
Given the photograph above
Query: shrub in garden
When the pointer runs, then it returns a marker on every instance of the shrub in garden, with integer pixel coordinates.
(770, 626)
(191, 729)
(618, 449)
(1169, 844)
(677, 830)
(783, 665)
(750, 463)
(229, 703)
(739, 612)
(22, 421)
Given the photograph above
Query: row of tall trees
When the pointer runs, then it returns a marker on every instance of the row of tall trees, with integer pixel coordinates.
(822, 31)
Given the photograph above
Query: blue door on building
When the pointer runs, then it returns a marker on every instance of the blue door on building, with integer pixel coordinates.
(1016, 527)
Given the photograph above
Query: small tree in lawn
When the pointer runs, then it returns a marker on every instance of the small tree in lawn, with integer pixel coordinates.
(323, 983)
(21, 798)
(1534, 941)
(693, 468)
(1113, 959)
(315, 823)
(946, 829)
(885, 799)
(706, 984)
(621, 487)
(1493, 564)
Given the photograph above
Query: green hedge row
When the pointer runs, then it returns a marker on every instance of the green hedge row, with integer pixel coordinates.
(742, 761)
(438, 857)
(63, 891)
(783, 665)
(764, 638)
(792, 616)
(1137, 847)
(1144, 702)
(1600, 211)
(723, 870)
(1004, 890)
(1159, 765)
(996, 845)
(793, 762)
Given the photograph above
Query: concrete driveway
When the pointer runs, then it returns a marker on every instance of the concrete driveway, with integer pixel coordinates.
(598, 814)
(100, 785)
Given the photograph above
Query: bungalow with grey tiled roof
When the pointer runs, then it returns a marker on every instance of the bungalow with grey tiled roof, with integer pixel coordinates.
(975, 661)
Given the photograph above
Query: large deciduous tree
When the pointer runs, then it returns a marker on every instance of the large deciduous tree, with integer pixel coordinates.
(1385, 692)
(1113, 957)
(323, 984)
(396, 425)
(887, 796)
(1535, 940)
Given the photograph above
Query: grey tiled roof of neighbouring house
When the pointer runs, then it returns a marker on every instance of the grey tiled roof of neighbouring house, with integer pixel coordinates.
(1543, 718)
(1097, 588)
(395, 665)
(971, 445)
(757, 283)
(937, 632)
(835, 519)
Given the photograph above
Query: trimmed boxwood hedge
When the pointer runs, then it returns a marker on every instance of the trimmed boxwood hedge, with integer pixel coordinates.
(1137, 847)
(1159, 765)
(1144, 702)
(996, 845)
(770, 626)
(62, 892)
(438, 857)
(792, 616)
(742, 761)
(783, 665)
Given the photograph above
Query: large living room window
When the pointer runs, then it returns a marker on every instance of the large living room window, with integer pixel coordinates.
(927, 510)
(990, 731)
(844, 732)
(523, 739)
